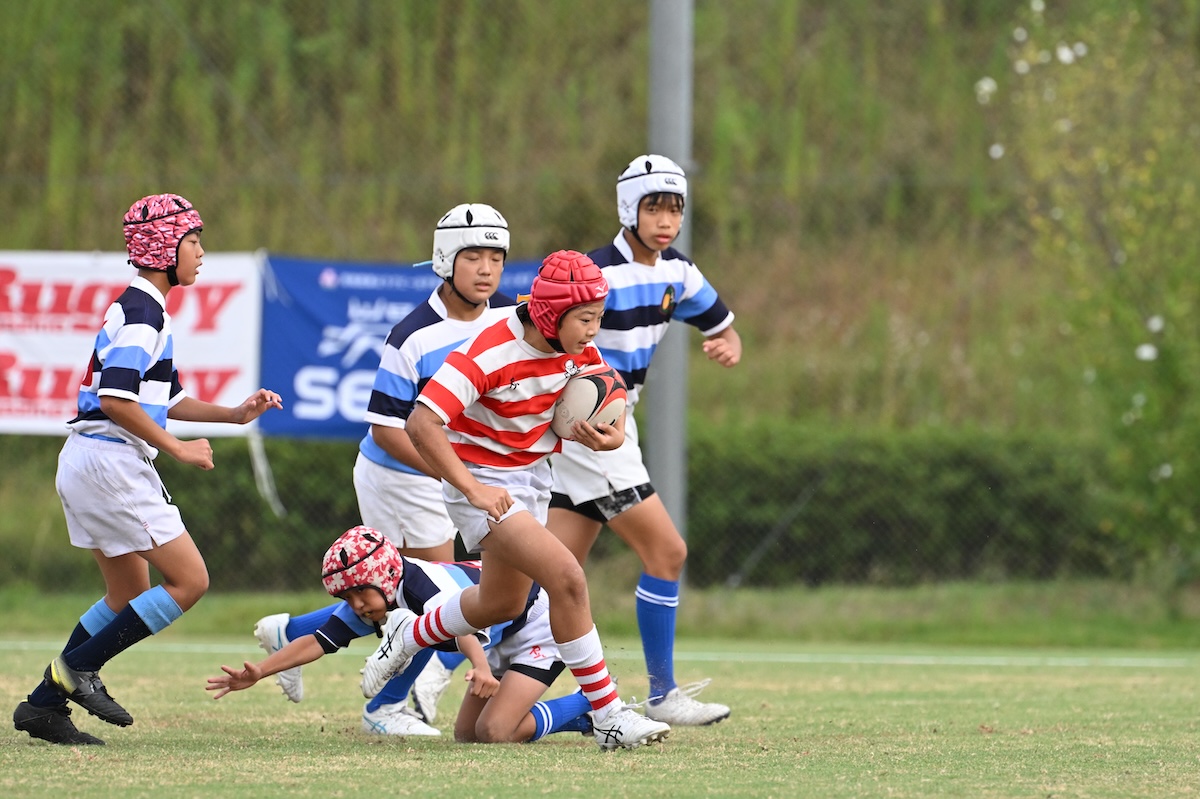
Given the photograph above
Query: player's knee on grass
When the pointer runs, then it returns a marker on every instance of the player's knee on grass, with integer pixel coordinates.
(495, 731)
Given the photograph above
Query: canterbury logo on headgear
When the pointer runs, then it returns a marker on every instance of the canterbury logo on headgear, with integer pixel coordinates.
(646, 175)
(465, 226)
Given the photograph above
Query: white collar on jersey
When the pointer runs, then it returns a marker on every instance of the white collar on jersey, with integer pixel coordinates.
(145, 285)
(623, 247)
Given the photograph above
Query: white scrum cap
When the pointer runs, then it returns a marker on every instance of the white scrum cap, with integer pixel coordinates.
(647, 174)
(465, 226)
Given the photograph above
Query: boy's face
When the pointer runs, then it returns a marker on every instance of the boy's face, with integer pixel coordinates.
(477, 272)
(367, 603)
(190, 257)
(659, 218)
(579, 326)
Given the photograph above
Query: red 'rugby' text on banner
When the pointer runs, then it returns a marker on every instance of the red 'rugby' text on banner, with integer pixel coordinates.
(52, 305)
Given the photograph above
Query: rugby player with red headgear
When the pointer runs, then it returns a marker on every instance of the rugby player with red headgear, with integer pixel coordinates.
(483, 423)
(501, 705)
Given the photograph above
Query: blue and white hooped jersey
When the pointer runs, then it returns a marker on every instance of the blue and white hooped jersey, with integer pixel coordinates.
(642, 300)
(132, 359)
(415, 348)
(425, 585)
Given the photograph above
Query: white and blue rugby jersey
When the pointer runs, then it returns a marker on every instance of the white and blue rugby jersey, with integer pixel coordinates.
(642, 300)
(415, 348)
(425, 585)
(132, 359)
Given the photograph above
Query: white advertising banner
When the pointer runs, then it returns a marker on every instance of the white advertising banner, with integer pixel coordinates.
(52, 305)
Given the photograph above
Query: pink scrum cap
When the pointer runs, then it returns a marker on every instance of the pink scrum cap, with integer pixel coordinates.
(362, 557)
(154, 227)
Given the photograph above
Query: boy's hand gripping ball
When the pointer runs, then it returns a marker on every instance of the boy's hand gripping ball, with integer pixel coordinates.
(596, 395)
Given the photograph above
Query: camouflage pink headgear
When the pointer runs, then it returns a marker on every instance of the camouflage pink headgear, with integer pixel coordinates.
(565, 279)
(154, 227)
(362, 557)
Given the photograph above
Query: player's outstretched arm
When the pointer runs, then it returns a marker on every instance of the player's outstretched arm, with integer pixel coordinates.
(234, 679)
(303, 650)
(190, 409)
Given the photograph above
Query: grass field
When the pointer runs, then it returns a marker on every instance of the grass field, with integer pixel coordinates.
(821, 719)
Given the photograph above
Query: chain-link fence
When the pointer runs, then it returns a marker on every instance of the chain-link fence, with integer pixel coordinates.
(907, 409)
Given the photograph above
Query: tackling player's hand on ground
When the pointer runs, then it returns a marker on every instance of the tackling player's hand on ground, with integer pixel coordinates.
(234, 679)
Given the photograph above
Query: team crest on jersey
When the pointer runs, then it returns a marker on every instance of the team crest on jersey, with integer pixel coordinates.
(667, 306)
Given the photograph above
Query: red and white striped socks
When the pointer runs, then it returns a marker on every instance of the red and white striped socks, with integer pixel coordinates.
(585, 658)
(439, 625)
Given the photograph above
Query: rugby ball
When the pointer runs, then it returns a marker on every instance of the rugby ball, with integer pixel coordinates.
(596, 395)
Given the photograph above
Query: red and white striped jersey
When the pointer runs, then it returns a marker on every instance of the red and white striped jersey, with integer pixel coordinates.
(496, 395)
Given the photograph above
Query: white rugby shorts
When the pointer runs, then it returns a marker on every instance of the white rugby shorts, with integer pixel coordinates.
(532, 646)
(407, 508)
(113, 498)
(528, 487)
(584, 474)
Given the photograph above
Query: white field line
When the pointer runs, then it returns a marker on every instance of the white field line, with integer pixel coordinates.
(1012, 661)
(742, 656)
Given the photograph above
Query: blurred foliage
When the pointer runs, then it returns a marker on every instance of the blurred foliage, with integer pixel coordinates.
(1100, 123)
(772, 503)
(769, 506)
(931, 219)
(344, 129)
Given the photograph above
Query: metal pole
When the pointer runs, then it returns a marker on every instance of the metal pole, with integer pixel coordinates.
(670, 134)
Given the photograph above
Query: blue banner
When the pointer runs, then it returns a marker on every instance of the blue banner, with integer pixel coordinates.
(324, 324)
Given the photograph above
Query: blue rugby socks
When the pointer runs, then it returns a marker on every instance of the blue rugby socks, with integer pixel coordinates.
(567, 713)
(147, 613)
(97, 617)
(657, 603)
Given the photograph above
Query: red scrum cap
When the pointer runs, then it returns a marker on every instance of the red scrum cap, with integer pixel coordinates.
(566, 279)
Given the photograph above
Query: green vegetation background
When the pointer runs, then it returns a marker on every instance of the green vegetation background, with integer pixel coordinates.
(957, 220)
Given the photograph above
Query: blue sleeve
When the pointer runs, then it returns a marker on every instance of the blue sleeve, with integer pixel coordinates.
(342, 628)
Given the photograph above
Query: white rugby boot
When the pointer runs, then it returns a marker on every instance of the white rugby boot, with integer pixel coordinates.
(390, 657)
(430, 684)
(679, 708)
(625, 728)
(271, 632)
(395, 719)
